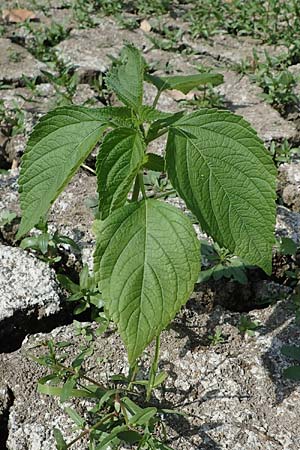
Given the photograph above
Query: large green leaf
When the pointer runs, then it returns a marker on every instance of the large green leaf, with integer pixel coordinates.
(126, 77)
(146, 261)
(58, 145)
(120, 156)
(221, 169)
(184, 83)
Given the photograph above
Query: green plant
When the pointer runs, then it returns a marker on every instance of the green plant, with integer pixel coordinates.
(47, 245)
(219, 263)
(44, 38)
(270, 21)
(216, 338)
(284, 152)
(147, 255)
(86, 293)
(65, 83)
(15, 56)
(6, 217)
(12, 121)
(292, 352)
(247, 326)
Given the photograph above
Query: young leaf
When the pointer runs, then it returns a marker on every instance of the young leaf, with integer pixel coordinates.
(58, 145)
(143, 416)
(130, 437)
(75, 416)
(119, 159)
(84, 277)
(220, 168)
(146, 261)
(184, 83)
(126, 77)
(293, 373)
(292, 351)
(155, 162)
(162, 124)
(60, 442)
(67, 389)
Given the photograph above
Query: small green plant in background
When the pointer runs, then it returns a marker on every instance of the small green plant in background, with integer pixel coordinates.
(6, 217)
(216, 338)
(292, 352)
(47, 245)
(43, 38)
(247, 326)
(147, 255)
(86, 294)
(284, 152)
(221, 263)
(12, 121)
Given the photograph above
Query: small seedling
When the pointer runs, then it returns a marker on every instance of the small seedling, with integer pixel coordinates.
(6, 217)
(216, 338)
(284, 152)
(219, 262)
(247, 326)
(292, 352)
(86, 293)
(47, 245)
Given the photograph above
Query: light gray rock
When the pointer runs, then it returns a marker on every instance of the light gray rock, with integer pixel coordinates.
(234, 392)
(9, 192)
(289, 185)
(232, 49)
(288, 223)
(295, 70)
(243, 98)
(89, 49)
(28, 292)
(16, 61)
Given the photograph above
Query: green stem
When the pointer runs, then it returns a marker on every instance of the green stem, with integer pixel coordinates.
(142, 186)
(88, 430)
(164, 194)
(81, 375)
(161, 133)
(84, 166)
(132, 374)
(155, 101)
(153, 369)
(136, 189)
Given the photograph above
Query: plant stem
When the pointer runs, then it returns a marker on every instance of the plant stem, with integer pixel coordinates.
(84, 377)
(164, 194)
(153, 369)
(132, 374)
(155, 101)
(161, 133)
(84, 166)
(142, 186)
(88, 430)
(136, 189)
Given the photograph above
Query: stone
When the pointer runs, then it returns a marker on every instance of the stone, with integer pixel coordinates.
(288, 223)
(244, 98)
(9, 192)
(89, 49)
(295, 70)
(16, 61)
(289, 185)
(28, 293)
(234, 392)
(232, 49)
